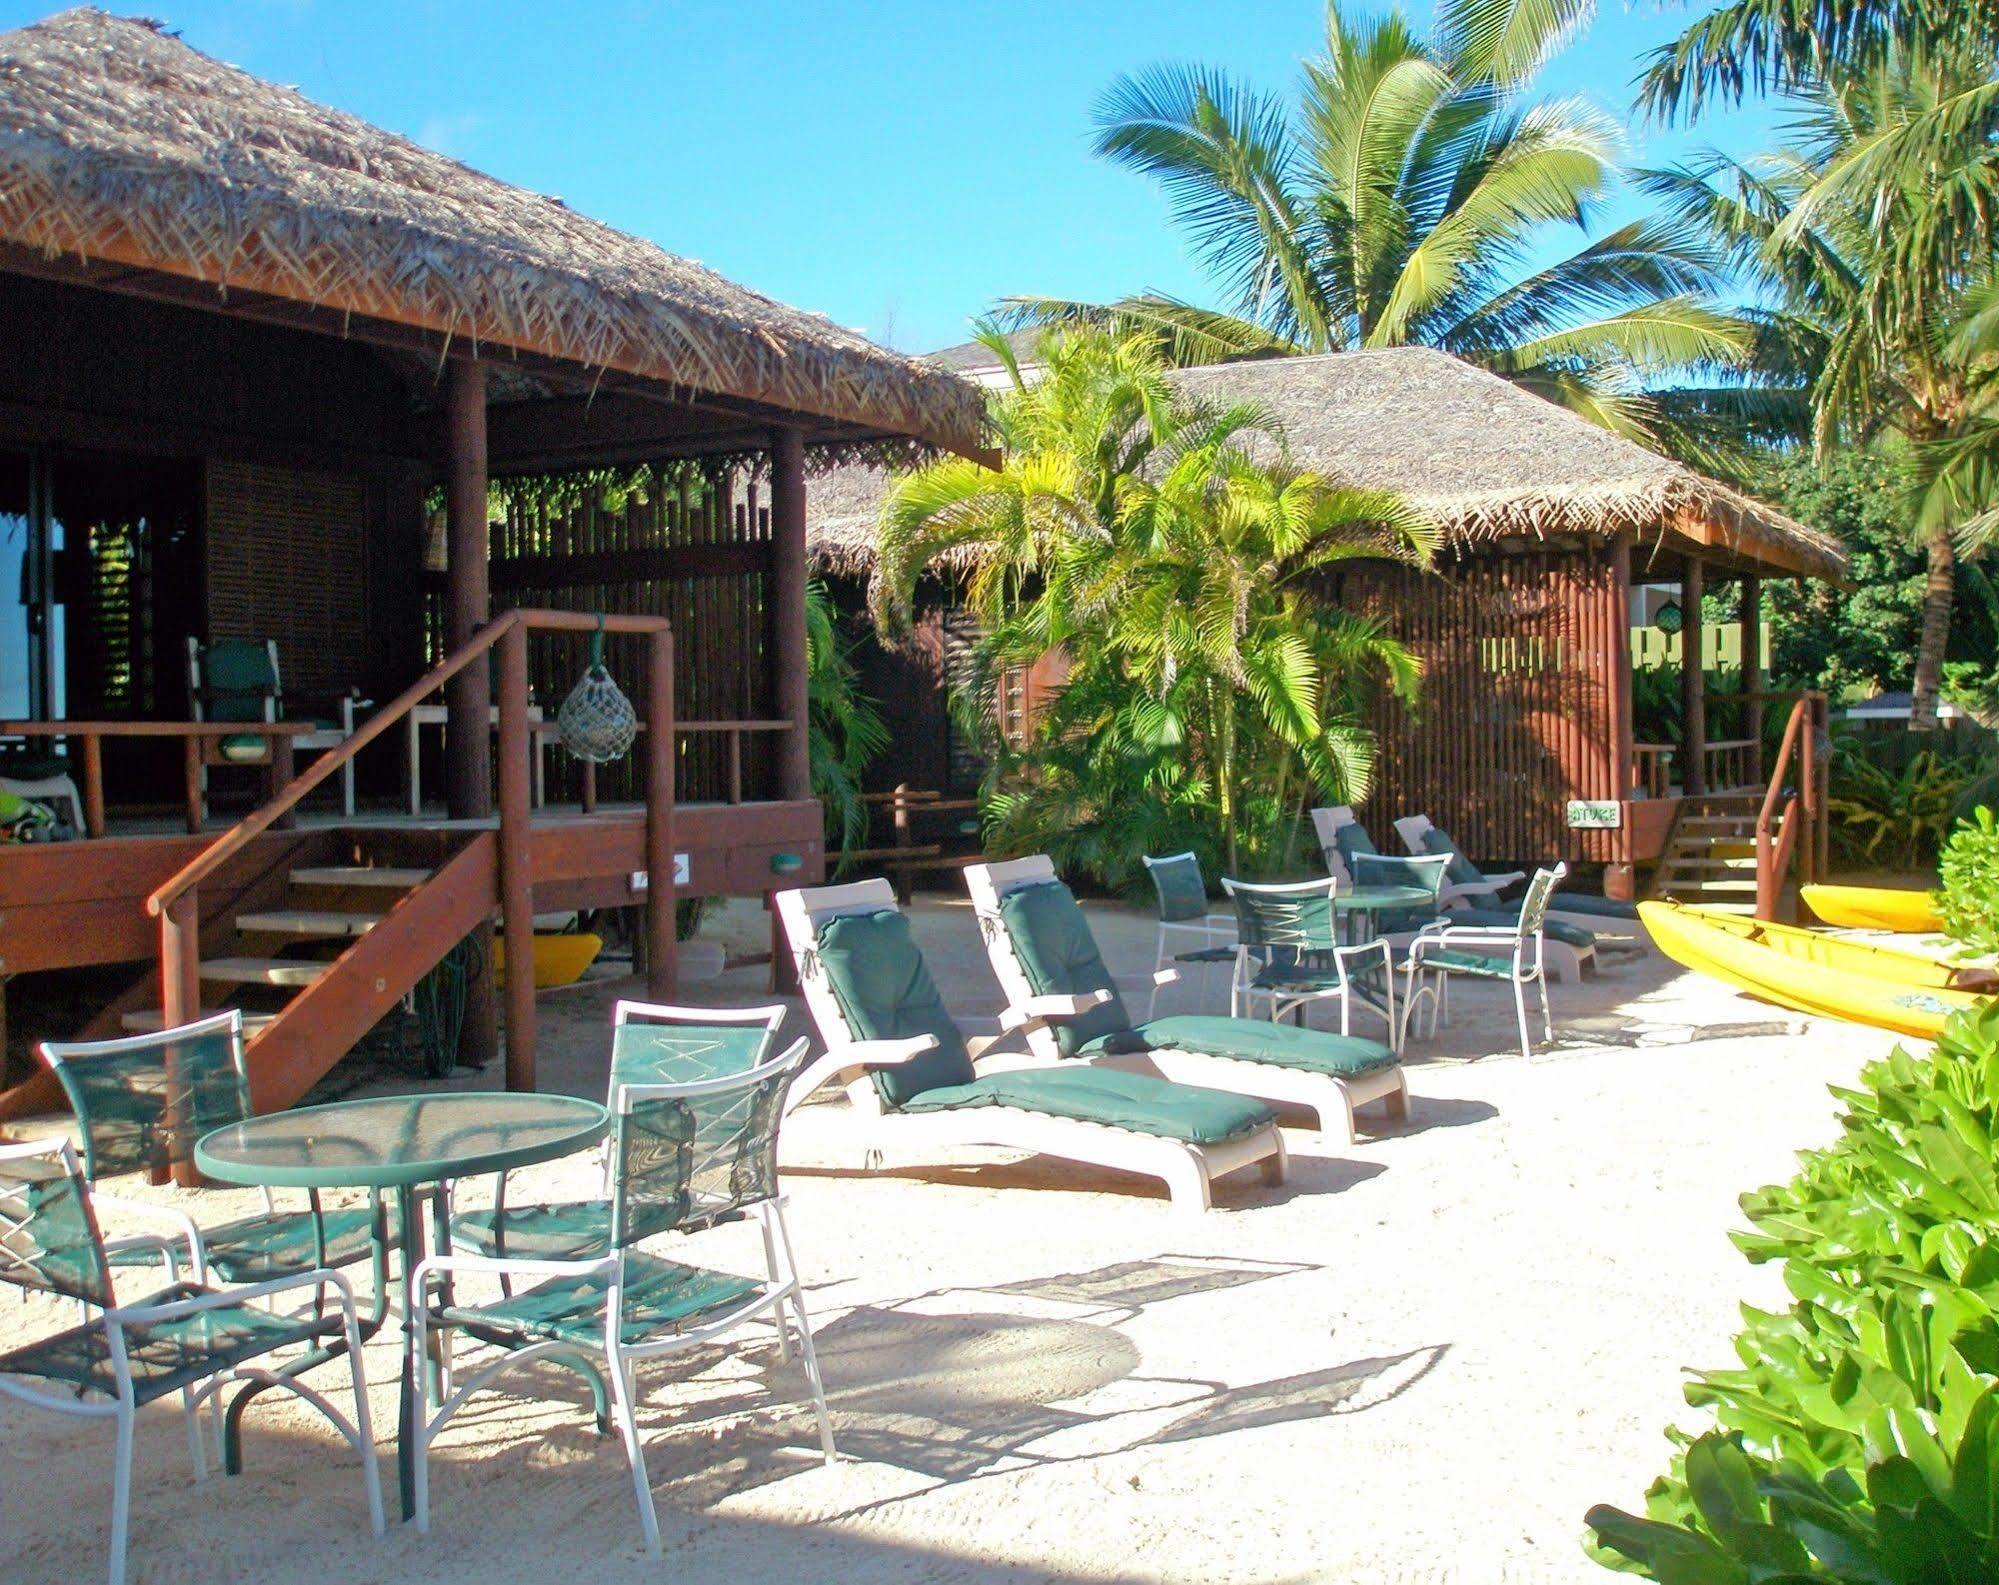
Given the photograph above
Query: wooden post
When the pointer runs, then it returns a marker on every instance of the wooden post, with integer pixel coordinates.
(787, 533)
(284, 766)
(1693, 682)
(468, 696)
(468, 769)
(516, 857)
(190, 764)
(93, 785)
(662, 946)
(180, 985)
(904, 883)
(1750, 613)
(1620, 879)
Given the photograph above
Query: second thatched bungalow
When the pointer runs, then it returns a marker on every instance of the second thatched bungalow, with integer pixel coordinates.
(1523, 745)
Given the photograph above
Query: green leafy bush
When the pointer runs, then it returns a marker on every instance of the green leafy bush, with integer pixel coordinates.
(1892, 808)
(1969, 870)
(1858, 1440)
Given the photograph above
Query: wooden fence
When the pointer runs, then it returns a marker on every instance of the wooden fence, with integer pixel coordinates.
(1522, 655)
(689, 551)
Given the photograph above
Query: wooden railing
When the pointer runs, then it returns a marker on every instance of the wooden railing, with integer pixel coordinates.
(1731, 763)
(734, 730)
(1652, 767)
(1791, 825)
(176, 903)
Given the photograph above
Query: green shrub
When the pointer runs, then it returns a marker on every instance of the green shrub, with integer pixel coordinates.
(1969, 870)
(1859, 1438)
(1892, 807)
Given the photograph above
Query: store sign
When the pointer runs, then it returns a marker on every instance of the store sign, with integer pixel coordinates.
(1595, 814)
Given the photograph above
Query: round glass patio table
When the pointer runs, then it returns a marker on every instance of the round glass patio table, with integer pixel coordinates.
(405, 1145)
(1356, 910)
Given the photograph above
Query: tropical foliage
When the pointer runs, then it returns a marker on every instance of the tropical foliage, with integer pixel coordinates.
(1181, 564)
(1969, 872)
(1397, 198)
(1894, 808)
(846, 730)
(1857, 1440)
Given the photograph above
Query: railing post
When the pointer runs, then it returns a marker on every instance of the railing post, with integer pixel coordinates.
(1808, 792)
(516, 848)
(180, 987)
(735, 766)
(662, 945)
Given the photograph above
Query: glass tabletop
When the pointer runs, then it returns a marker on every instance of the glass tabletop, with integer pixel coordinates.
(394, 1141)
(1372, 898)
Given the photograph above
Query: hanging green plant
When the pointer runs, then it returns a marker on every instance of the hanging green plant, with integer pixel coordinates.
(597, 722)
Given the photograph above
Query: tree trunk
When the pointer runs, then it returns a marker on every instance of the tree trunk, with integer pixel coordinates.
(1939, 590)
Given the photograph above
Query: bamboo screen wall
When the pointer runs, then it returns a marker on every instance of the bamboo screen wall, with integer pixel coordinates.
(1520, 655)
(694, 556)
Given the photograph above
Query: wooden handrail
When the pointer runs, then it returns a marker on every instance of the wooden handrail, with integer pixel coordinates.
(287, 797)
(1774, 854)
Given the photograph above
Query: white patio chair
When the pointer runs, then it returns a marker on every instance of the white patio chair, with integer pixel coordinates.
(1290, 955)
(1515, 955)
(1184, 914)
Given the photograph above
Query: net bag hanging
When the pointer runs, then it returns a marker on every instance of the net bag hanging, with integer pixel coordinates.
(597, 722)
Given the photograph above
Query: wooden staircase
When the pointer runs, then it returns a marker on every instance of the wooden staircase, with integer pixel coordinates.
(1710, 854)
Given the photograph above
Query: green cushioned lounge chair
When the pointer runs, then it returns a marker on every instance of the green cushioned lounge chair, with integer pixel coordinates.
(1041, 944)
(1512, 953)
(685, 1157)
(1467, 886)
(186, 1340)
(916, 1086)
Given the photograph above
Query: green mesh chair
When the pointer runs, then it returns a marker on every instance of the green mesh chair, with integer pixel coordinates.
(1041, 945)
(1291, 955)
(1184, 914)
(1397, 926)
(651, 1043)
(685, 1157)
(141, 1104)
(1514, 954)
(187, 1339)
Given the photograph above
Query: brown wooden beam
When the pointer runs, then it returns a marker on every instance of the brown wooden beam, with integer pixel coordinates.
(629, 566)
(1750, 612)
(788, 658)
(1693, 682)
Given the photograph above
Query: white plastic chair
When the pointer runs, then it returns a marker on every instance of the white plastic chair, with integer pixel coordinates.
(1488, 952)
(1183, 912)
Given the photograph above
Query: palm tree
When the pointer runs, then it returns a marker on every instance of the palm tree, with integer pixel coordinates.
(1395, 200)
(1173, 555)
(1879, 292)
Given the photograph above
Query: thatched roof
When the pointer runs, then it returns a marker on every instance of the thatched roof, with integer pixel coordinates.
(1483, 458)
(120, 143)
(1487, 460)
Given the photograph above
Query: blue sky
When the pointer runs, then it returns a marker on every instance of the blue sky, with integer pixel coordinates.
(895, 165)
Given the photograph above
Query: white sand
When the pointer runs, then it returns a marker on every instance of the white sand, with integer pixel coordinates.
(1420, 1360)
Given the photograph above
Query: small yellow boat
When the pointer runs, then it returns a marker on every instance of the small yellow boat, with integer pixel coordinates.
(1815, 973)
(558, 959)
(1908, 913)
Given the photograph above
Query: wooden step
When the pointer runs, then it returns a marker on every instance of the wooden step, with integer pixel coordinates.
(262, 971)
(316, 924)
(383, 875)
(150, 1020)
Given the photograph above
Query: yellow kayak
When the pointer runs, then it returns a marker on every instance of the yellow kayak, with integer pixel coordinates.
(1816, 973)
(558, 959)
(1874, 908)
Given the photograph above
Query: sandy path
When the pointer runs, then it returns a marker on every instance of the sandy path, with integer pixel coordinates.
(1420, 1360)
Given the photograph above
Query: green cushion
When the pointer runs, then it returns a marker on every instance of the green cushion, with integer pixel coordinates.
(34, 764)
(167, 1355)
(1353, 841)
(1136, 1101)
(1504, 918)
(236, 672)
(885, 992)
(1182, 889)
(244, 748)
(661, 1297)
(1059, 954)
(537, 1232)
(1461, 870)
(1604, 907)
(1254, 1040)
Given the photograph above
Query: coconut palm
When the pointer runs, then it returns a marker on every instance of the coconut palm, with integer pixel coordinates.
(1880, 299)
(1174, 556)
(1396, 199)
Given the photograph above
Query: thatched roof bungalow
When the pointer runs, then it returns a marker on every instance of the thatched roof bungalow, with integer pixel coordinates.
(243, 337)
(1548, 521)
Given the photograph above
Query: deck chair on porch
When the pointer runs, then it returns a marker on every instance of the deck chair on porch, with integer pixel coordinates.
(1041, 945)
(910, 1073)
(236, 679)
(1570, 941)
